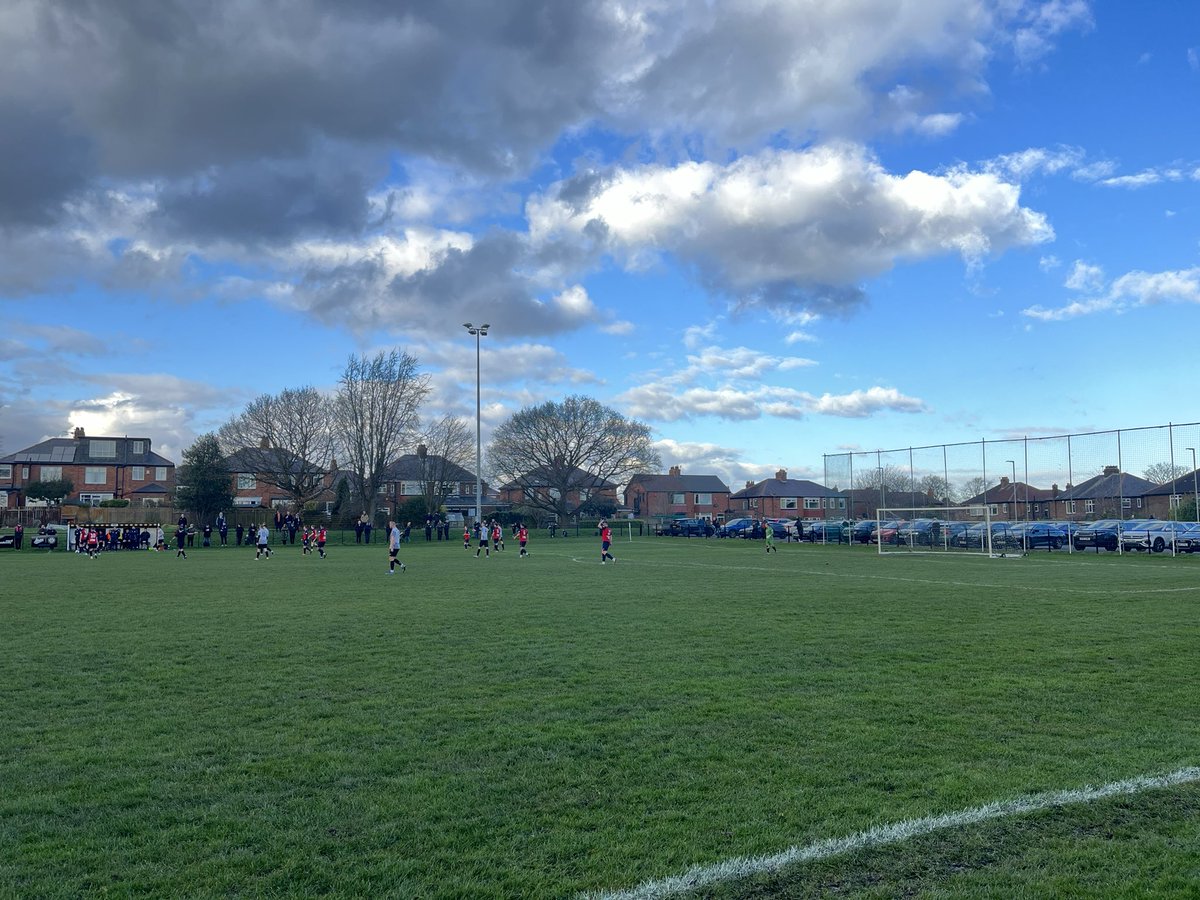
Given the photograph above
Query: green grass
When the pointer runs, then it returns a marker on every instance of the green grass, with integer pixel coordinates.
(541, 727)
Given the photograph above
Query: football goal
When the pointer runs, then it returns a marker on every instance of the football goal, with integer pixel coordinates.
(945, 529)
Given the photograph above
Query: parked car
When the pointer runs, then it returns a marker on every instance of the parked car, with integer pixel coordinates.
(1188, 540)
(975, 536)
(826, 532)
(863, 530)
(1032, 535)
(782, 528)
(1155, 536)
(1102, 535)
(737, 527)
(688, 527)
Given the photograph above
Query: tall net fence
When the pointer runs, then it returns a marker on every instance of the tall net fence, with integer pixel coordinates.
(1136, 473)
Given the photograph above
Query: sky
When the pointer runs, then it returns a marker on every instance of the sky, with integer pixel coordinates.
(768, 230)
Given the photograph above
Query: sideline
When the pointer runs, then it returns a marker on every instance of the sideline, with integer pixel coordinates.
(743, 867)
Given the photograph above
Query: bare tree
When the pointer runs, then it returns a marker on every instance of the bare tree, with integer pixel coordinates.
(285, 439)
(375, 414)
(1162, 472)
(972, 487)
(448, 447)
(935, 487)
(556, 453)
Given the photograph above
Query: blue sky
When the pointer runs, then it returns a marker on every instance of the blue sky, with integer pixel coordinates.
(768, 230)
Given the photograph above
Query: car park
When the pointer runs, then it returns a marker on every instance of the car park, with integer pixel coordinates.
(740, 527)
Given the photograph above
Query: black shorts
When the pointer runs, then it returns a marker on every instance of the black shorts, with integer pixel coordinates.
(392, 554)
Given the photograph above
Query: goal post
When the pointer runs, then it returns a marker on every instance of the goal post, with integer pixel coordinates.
(943, 529)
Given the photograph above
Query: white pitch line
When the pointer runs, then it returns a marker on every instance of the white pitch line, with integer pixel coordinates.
(743, 867)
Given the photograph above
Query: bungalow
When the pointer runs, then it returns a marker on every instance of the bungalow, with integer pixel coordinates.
(787, 498)
(676, 494)
(99, 468)
(536, 489)
(1161, 501)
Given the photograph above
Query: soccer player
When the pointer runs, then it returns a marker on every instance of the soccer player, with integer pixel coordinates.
(769, 537)
(497, 537)
(605, 543)
(321, 535)
(523, 538)
(306, 541)
(264, 537)
(180, 537)
(483, 540)
(466, 538)
(394, 548)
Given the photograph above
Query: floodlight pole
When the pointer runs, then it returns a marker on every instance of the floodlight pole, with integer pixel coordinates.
(478, 331)
(1195, 488)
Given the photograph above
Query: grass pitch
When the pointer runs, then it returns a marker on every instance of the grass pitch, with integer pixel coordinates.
(547, 726)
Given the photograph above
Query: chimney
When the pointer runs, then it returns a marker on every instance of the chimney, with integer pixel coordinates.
(675, 470)
(781, 475)
(749, 484)
(1111, 470)
(1003, 481)
(78, 434)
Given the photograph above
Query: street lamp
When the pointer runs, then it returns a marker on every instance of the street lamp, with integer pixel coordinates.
(422, 453)
(1195, 489)
(478, 331)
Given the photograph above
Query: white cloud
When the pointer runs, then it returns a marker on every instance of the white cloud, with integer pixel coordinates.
(1129, 291)
(816, 219)
(1085, 277)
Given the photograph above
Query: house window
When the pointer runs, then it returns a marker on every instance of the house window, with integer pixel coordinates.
(246, 481)
(704, 499)
(752, 503)
(94, 499)
(411, 489)
(160, 473)
(95, 475)
(1089, 506)
(812, 503)
(993, 510)
(678, 498)
(24, 473)
(841, 502)
(787, 503)
(102, 449)
(51, 473)
(1071, 507)
(1139, 502)
(137, 473)
(1176, 499)
(6, 472)
(1126, 503)
(137, 448)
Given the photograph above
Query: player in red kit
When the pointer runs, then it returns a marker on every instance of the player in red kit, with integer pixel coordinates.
(605, 543)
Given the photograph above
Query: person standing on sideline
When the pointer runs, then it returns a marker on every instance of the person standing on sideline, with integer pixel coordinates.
(523, 538)
(264, 542)
(366, 529)
(605, 543)
(769, 537)
(223, 528)
(180, 537)
(18, 535)
(241, 532)
(394, 548)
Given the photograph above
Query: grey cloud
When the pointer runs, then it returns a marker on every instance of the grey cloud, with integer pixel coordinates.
(43, 161)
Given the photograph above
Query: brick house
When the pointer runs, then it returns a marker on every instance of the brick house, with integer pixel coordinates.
(676, 494)
(1015, 501)
(1160, 501)
(405, 480)
(261, 476)
(788, 498)
(585, 488)
(1112, 494)
(99, 468)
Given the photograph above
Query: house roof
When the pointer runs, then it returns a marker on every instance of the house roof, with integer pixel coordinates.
(1004, 493)
(704, 484)
(268, 459)
(89, 451)
(578, 478)
(1110, 484)
(1184, 485)
(152, 488)
(410, 468)
(786, 487)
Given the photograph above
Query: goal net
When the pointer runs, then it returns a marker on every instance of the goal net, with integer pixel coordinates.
(944, 529)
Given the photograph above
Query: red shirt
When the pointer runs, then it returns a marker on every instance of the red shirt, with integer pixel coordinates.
(522, 535)
(606, 534)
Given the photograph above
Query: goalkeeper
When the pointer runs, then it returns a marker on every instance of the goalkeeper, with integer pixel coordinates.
(769, 537)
